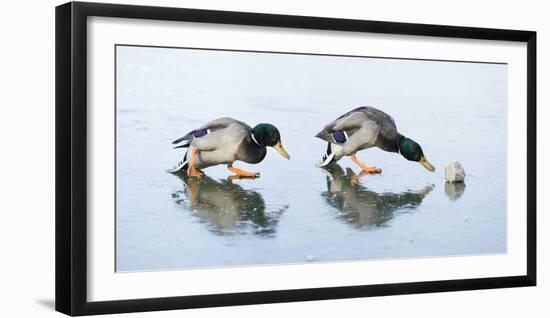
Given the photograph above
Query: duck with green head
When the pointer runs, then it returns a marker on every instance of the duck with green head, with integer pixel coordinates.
(363, 128)
(224, 141)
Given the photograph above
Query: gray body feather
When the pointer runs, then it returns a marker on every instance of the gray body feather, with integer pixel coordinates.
(365, 127)
(227, 140)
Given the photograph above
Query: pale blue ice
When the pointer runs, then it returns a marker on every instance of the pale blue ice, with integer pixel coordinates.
(296, 212)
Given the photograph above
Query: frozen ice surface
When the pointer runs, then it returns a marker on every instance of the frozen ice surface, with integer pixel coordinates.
(294, 209)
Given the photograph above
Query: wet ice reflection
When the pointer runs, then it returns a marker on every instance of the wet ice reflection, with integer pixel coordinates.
(362, 208)
(226, 208)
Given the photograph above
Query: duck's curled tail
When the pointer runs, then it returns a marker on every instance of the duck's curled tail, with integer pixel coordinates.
(329, 157)
(185, 142)
(334, 140)
(180, 166)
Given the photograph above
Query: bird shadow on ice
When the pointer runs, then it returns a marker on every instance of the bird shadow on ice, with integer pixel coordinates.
(226, 208)
(363, 208)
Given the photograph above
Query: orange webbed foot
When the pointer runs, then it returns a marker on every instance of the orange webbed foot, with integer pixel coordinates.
(193, 172)
(363, 167)
(240, 173)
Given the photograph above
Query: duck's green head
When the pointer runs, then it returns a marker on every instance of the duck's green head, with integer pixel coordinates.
(268, 135)
(412, 151)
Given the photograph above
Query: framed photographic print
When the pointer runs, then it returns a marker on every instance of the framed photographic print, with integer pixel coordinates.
(213, 158)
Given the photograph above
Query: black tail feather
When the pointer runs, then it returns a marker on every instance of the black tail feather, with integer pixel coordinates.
(177, 141)
(327, 155)
(180, 166)
(185, 160)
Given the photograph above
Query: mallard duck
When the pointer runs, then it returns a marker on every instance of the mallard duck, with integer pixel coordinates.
(224, 141)
(366, 127)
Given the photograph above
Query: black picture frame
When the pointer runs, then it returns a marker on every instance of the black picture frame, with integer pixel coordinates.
(71, 157)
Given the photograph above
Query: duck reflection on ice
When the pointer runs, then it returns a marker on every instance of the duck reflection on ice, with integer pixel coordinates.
(362, 208)
(226, 207)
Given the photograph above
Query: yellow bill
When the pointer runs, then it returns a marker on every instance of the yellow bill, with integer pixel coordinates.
(426, 164)
(280, 149)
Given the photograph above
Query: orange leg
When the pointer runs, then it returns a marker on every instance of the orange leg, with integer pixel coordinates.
(364, 167)
(242, 173)
(192, 171)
